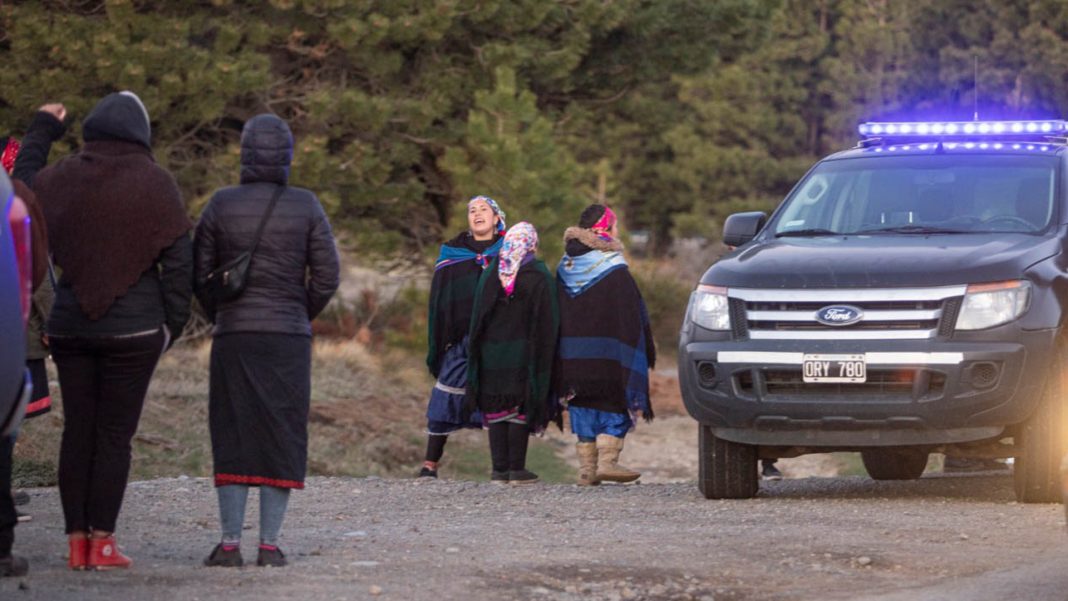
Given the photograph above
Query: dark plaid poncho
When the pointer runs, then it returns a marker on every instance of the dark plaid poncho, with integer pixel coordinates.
(606, 344)
(513, 345)
(452, 293)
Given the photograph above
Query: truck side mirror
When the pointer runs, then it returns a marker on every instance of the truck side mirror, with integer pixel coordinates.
(740, 228)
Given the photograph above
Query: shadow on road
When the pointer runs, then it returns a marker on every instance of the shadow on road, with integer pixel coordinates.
(987, 487)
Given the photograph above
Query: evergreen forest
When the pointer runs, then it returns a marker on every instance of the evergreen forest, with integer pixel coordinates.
(677, 112)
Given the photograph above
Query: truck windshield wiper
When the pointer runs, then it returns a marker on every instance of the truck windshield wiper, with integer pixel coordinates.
(911, 229)
(808, 232)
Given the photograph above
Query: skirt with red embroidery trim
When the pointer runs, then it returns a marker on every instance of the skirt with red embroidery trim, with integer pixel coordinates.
(260, 390)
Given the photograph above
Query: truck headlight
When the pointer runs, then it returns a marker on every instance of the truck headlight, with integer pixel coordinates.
(710, 308)
(989, 305)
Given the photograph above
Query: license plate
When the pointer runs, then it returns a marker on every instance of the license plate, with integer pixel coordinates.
(834, 368)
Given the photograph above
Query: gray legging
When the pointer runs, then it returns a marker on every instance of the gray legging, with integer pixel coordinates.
(232, 500)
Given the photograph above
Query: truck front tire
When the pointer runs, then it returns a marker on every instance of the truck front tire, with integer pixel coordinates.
(894, 464)
(726, 470)
(1042, 441)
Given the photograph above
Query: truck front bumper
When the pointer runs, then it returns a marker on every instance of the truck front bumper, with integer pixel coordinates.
(922, 392)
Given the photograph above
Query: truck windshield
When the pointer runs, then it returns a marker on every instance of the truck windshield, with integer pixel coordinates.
(925, 194)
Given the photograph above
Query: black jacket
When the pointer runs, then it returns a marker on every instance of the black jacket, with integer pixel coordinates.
(140, 309)
(295, 270)
(162, 294)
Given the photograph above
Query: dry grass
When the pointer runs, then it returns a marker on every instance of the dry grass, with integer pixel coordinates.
(366, 418)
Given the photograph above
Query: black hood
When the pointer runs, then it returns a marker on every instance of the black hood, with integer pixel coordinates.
(119, 116)
(266, 150)
(882, 261)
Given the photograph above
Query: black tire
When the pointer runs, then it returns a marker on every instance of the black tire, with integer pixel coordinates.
(894, 464)
(726, 470)
(1042, 440)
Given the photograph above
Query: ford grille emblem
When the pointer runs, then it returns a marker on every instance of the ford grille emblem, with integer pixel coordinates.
(839, 315)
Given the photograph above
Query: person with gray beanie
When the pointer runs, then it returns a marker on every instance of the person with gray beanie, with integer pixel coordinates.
(119, 235)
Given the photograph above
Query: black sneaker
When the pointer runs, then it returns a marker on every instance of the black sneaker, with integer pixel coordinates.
(428, 473)
(522, 477)
(23, 517)
(20, 497)
(770, 472)
(271, 558)
(499, 477)
(222, 558)
(13, 566)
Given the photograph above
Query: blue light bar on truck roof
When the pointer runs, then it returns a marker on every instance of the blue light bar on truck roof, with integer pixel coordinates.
(890, 129)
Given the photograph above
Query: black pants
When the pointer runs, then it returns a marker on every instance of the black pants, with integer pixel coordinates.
(103, 382)
(508, 446)
(8, 517)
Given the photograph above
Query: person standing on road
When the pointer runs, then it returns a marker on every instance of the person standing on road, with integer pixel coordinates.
(514, 329)
(452, 295)
(606, 345)
(119, 235)
(260, 382)
(32, 156)
(27, 159)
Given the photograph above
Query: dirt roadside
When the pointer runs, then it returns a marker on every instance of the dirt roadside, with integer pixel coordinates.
(813, 538)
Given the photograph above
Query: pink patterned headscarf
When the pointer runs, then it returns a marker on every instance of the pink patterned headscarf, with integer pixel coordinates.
(604, 224)
(520, 242)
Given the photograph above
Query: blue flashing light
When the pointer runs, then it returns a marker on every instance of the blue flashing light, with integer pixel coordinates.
(974, 145)
(1056, 127)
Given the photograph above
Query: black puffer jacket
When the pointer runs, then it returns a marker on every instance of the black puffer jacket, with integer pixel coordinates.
(294, 272)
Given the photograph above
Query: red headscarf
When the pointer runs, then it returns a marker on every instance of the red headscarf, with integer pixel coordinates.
(604, 224)
(11, 150)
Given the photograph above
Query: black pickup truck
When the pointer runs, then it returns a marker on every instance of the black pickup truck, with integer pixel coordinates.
(909, 296)
(15, 276)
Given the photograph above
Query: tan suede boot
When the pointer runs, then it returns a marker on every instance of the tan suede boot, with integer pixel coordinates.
(587, 454)
(608, 469)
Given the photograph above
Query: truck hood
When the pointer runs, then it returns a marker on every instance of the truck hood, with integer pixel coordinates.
(882, 261)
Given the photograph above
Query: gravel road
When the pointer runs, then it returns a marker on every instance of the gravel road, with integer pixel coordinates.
(813, 538)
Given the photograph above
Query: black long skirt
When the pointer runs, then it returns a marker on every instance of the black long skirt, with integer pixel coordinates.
(258, 409)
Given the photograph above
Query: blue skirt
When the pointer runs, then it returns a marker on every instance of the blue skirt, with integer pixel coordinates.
(588, 423)
(445, 412)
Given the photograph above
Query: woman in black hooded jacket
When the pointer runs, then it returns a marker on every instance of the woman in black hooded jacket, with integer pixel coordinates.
(260, 383)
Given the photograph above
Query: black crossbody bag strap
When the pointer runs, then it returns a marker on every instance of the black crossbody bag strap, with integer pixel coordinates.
(263, 221)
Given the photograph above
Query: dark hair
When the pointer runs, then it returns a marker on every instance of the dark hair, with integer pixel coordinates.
(591, 215)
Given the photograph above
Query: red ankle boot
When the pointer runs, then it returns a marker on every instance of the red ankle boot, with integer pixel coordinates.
(104, 554)
(79, 553)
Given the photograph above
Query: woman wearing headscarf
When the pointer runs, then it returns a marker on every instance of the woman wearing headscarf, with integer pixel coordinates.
(513, 336)
(119, 235)
(452, 296)
(260, 383)
(606, 345)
